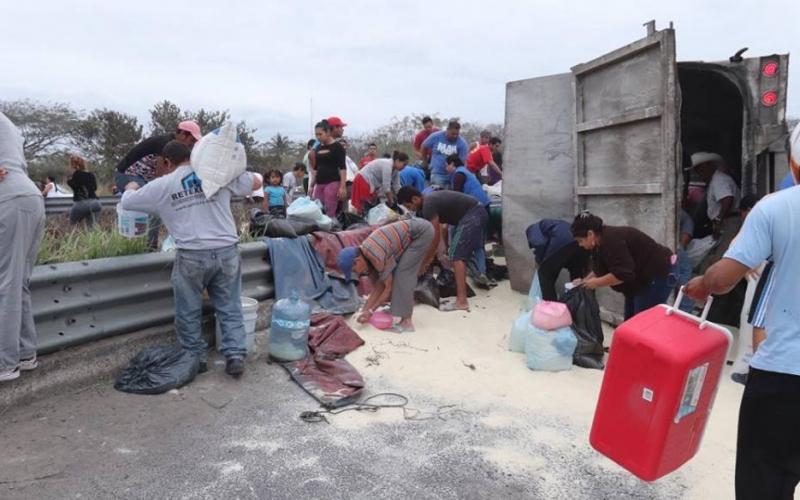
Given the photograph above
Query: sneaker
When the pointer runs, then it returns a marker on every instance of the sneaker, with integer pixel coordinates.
(6, 375)
(203, 367)
(234, 366)
(28, 364)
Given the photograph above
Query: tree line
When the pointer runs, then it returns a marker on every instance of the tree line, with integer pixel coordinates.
(53, 131)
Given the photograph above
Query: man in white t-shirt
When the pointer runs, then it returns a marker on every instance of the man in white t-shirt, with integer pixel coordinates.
(722, 197)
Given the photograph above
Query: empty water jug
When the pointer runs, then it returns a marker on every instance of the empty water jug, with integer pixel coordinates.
(288, 337)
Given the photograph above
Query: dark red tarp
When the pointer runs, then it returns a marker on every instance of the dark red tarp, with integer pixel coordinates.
(324, 373)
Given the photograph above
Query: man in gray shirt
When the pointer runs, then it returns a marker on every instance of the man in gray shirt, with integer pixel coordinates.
(468, 218)
(208, 258)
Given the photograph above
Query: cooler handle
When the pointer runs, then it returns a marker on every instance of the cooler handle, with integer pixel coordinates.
(702, 319)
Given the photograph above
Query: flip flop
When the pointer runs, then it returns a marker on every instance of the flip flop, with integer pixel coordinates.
(397, 328)
(451, 306)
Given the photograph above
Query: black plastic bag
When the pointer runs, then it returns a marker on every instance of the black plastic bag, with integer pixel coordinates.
(265, 224)
(446, 281)
(496, 271)
(302, 226)
(588, 328)
(349, 220)
(427, 292)
(156, 370)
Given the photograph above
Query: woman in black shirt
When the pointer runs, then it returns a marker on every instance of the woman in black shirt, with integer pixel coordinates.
(84, 185)
(331, 166)
(628, 261)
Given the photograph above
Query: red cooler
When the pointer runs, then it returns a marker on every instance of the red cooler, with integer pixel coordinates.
(658, 388)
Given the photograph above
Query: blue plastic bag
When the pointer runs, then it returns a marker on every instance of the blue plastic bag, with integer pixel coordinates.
(550, 350)
(519, 330)
(535, 293)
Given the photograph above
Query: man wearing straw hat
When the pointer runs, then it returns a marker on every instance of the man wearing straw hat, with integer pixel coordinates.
(768, 444)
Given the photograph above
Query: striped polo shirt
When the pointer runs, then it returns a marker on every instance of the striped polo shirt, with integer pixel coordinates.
(385, 245)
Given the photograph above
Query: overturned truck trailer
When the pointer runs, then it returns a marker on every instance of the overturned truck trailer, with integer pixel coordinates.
(614, 135)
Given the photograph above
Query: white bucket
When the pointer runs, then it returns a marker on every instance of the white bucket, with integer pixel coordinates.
(132, 224)
(249, 315)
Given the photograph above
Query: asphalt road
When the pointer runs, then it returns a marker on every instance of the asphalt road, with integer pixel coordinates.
(221, 438)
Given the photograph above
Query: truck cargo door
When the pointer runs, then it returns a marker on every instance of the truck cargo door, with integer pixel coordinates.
(626, 140)
(538, 169)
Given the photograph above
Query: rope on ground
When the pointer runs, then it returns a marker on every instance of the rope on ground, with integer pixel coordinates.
(369, 405)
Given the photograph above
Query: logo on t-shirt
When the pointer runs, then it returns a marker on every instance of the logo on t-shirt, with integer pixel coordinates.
(446, 149)
(192, 188)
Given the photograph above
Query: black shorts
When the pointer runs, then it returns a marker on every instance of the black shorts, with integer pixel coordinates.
(469, 234)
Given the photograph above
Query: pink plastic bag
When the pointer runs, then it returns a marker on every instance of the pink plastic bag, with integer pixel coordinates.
(550, 316)
(381, 320)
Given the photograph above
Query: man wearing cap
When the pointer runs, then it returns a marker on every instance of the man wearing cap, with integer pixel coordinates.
(392, 256)
(144, 161)
(768, 443)
(337, 127)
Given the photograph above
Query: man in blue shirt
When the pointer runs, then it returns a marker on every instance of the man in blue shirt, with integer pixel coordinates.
(768, 447)
(441, 145)
(414, 177)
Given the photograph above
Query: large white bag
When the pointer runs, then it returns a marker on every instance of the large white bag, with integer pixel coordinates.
(218, 158)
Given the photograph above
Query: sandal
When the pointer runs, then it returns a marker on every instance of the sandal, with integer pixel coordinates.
(398, 328)
(451, 306)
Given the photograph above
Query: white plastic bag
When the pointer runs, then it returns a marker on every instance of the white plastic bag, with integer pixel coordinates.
(218, 158)
(698, 248)
(380, 215)
(168, 245)
(304, 208)
(550, 350)
(534, 294)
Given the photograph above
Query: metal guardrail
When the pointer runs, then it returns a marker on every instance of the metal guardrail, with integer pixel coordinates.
(63, 205)
(77, 302)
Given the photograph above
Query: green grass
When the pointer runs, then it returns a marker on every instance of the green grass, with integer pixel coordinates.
(63, 242)
(81, 244)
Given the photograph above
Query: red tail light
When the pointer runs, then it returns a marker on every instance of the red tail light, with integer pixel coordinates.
(770, 69)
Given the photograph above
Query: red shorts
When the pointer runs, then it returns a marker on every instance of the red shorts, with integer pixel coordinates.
(361, 192)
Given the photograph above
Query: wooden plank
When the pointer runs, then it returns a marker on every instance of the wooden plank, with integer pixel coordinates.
(621, 53)
(631, 116)
(652, 188)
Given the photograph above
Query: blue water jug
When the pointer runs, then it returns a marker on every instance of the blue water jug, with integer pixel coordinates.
(288, 337)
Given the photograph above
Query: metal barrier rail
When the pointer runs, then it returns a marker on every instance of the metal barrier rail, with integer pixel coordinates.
(63, 205)
(77, 302)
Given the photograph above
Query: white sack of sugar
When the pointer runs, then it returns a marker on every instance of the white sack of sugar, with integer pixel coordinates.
(218, 158)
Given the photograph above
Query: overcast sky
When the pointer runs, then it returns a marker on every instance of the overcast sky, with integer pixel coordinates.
(364, 61)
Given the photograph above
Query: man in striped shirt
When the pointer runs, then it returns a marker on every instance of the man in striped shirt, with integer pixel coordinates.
(392, 256)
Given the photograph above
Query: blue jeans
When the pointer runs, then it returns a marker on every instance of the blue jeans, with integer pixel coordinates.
(439, 179)
(657, 292)
(684, 274)
(220, 272)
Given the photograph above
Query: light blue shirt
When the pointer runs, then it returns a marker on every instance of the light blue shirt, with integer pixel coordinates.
(441, 148)
(772, 230)
(277, 196)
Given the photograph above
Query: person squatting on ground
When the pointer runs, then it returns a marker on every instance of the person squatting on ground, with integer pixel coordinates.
(207, 256)
(393, 257)
(482, 157)
(768, 443)
(441, 145)
(275, 195)
(331, 170)
(468, 218)
(628, 261)
(554, 248)
(378, 182)
(21, 230)
(83, 183)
